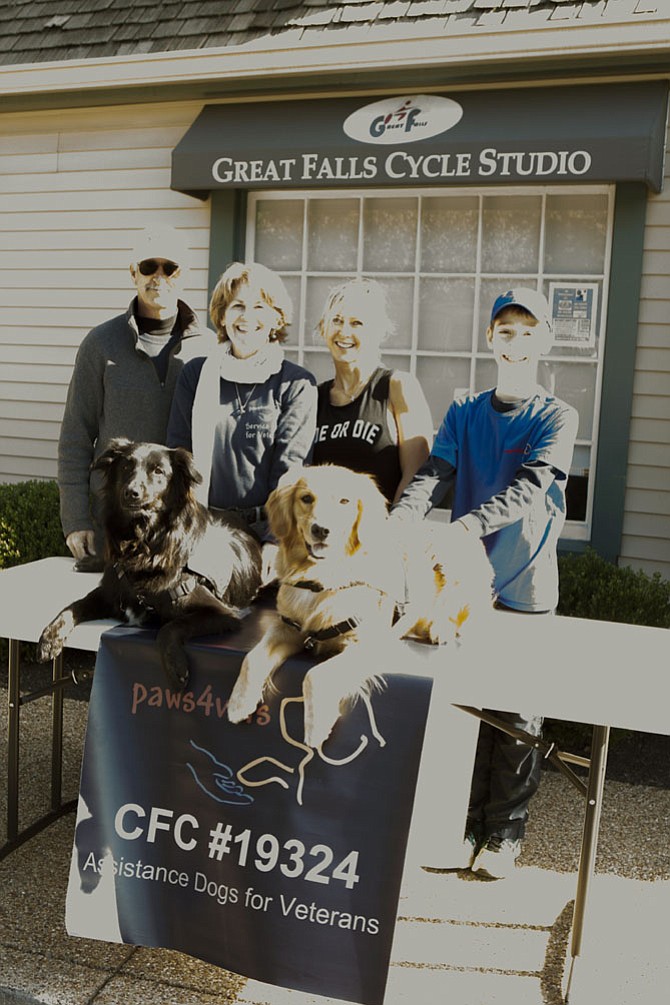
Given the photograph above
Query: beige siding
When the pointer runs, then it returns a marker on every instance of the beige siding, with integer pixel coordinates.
(646, 531)
(74, 186)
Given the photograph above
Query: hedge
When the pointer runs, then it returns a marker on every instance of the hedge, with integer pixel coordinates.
(30, 526)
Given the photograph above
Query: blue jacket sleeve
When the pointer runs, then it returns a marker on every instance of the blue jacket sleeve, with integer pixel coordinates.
(427, 489)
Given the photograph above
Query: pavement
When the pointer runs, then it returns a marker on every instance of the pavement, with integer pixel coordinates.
(459, 939)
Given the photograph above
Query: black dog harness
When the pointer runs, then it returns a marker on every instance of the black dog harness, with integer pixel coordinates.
(183, 588)
(341, 628)
(324, 634)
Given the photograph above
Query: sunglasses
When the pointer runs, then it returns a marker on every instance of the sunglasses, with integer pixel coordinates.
(149, 266)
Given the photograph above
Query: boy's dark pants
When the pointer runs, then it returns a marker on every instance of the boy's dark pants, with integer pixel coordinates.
(506, 774)
(505, 777)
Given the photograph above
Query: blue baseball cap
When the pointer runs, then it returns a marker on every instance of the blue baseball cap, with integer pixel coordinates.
(529, 300)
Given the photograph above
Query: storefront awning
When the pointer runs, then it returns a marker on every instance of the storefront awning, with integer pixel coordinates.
(576, 134)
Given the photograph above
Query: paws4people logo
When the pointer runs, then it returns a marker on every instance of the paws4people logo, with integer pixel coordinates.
(403, 120)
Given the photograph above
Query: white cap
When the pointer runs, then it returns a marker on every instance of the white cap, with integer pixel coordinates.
(161, 242)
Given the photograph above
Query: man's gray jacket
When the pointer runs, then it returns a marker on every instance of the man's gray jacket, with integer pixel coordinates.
(115, 391)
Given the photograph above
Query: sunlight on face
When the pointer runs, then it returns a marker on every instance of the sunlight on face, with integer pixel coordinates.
(249, 321)
(352, 331)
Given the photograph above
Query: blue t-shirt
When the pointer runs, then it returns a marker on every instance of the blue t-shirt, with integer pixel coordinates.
(487, 447)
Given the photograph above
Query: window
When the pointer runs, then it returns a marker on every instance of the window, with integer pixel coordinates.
(443, 256)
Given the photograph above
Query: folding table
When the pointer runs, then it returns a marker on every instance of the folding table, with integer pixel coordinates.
(566, 668)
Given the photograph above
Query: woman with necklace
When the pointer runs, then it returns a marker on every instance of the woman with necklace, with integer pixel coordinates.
(245, 412)
(369, 418)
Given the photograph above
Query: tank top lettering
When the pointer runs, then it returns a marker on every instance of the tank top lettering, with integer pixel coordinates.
(357, 435)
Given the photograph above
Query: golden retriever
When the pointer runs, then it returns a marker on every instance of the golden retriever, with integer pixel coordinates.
(342, 571)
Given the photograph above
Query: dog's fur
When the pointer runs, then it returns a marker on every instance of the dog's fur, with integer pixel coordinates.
(156, 533)
(339, 557)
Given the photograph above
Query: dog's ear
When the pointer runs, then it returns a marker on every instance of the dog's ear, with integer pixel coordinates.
(279, 506)
(118, 447)
(182, 463)
(371, 515)
(183, 478)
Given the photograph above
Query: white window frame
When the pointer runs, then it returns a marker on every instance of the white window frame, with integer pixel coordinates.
(575, 530)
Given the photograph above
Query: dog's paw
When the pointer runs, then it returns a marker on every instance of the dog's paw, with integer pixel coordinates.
(53, 637)
(241, 704)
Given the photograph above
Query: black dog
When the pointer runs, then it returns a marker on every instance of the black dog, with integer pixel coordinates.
(168, 560)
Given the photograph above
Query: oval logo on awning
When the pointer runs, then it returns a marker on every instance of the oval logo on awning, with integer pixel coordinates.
(403, 120)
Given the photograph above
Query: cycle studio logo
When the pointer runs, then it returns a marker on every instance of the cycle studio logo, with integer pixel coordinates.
(403, 120)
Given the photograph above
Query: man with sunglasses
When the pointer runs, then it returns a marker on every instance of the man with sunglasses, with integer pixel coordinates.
(124, 378)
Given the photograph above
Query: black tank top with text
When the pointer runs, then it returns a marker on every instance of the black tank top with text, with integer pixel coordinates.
(357, 435)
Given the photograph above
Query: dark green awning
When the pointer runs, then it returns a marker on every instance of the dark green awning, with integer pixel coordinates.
(576, 134)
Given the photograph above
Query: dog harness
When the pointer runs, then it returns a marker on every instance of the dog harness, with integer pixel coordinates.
(324, 634)
(341, 628)
(182, 589)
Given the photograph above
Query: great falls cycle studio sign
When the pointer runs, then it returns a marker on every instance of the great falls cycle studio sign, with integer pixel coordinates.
(591, 134)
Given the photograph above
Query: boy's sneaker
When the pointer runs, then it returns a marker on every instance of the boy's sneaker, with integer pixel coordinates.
(497, 857)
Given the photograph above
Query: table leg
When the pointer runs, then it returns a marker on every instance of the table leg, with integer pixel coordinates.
(594, 799)
(13, 708)
(57, 735)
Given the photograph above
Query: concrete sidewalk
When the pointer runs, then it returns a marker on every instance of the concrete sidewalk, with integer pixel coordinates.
(459, 939)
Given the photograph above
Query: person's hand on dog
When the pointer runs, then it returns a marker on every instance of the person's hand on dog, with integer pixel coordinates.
(81, 543)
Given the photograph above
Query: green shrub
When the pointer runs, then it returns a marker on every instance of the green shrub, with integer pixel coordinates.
(30, 525)
(591, 587)
(9, 552)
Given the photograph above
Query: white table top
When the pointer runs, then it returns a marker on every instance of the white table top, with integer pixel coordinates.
(564, 668)
(32, 595)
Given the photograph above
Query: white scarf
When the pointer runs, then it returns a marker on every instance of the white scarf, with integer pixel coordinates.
(222, 365)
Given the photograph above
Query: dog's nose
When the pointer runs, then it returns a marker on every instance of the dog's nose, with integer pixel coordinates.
(131, 493)
(319, 533)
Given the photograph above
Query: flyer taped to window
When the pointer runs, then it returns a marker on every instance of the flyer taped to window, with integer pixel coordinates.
(573, 312)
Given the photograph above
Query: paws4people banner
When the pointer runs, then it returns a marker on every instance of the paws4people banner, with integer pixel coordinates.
(238, 844)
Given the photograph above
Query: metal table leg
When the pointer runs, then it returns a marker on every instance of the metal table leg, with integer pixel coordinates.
(587, 858)
(13, 708)
(15, 700)
(57, 734)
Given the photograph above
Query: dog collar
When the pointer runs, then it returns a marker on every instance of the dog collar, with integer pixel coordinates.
(315, 587)
(308, 584)
(341, 628)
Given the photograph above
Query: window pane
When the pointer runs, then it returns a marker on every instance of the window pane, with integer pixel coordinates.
(390, 235)
(449, 234)
(446, 307)
(292, 284)
(440, 378)
(279, 234)
(575, 233)
(574, 383)
(332, 234)
(400, 301)
(511, 233)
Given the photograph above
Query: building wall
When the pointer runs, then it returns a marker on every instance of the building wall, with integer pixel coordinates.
(75, 184)
(70, 199)
(646, 530)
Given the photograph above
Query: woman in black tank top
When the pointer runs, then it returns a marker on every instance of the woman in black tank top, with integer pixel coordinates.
(369, 418)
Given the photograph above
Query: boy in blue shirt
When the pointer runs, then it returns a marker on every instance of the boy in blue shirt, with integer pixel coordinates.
(507, 452)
